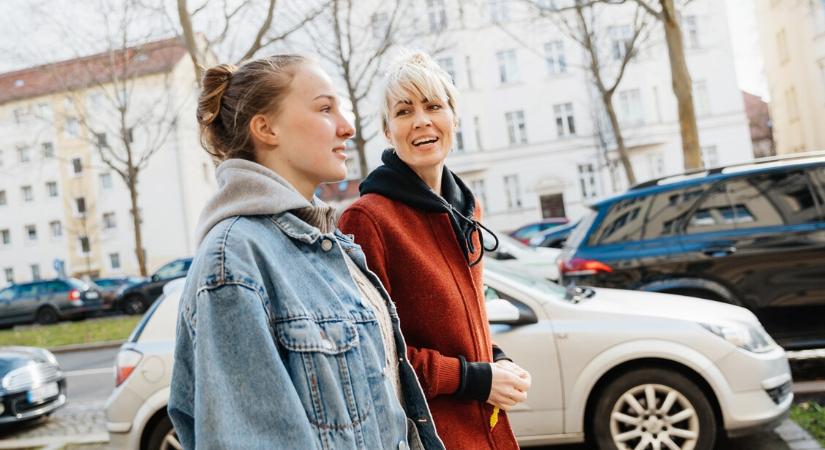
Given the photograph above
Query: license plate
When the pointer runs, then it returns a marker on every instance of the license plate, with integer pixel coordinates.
(91, 295)
(41, 393)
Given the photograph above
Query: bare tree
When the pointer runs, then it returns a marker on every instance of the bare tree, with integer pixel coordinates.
(234, 18)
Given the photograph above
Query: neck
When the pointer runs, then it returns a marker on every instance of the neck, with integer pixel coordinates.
(305, 186)
(431, 177)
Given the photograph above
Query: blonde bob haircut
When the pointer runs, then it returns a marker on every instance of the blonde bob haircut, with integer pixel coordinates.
(415, 72)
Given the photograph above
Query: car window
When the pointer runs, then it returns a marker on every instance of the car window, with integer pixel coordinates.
(28, 290)
(170, 270)
(818, 184)
(77, 284)
(56, 286)
(668, 210)
(105, 283)
(623, 222)
(790, 194)
(8, 293)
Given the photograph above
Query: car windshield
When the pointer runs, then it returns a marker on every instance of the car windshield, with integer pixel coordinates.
(525, 280)
(77, 284)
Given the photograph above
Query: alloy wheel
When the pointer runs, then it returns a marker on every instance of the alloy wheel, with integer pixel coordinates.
(170, 441)
(654, 416)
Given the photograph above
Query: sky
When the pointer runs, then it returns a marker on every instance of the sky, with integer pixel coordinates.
(25, 41)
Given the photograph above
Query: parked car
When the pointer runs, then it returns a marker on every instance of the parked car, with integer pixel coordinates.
(48, 301)
(554, 237)
(109, 288)
(540, 262)
(32, 384)
(136, 298)
(750, 235)
(525, 232)
(690, 367)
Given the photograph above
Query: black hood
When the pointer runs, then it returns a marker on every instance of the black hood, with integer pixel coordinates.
(397, 181)
(15, 357)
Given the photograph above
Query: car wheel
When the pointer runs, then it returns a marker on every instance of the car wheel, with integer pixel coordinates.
(46, 315)
(134, 305)
(163, 436)
(653, 408)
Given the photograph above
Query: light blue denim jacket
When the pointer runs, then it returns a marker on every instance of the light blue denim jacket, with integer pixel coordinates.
(275, 346)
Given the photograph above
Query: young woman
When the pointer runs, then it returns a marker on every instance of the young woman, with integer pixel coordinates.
(285, 339)
(419, 226)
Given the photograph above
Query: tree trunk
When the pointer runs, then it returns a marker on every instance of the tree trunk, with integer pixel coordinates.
(607, 99)
(189, 39)
(135, 212)
(682, 87)
(358, 139)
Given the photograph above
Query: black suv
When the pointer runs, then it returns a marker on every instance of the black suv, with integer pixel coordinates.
(752, 235)
(136, 298)
(47, 301)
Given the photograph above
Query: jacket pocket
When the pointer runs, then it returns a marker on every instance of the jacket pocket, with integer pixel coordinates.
(323, 359)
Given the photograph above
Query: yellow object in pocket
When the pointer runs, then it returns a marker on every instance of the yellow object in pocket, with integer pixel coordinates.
(494, 418)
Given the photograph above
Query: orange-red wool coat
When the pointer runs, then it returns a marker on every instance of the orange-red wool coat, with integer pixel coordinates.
(440, 302)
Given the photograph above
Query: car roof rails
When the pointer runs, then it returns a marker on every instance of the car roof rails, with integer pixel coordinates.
(815, 156)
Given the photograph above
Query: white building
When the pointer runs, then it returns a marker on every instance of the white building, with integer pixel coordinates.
(59, 201)
(528, 142)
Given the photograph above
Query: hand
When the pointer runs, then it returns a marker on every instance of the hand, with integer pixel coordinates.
(510, 385)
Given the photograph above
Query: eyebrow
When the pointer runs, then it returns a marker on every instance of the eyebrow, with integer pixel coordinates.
(326, 96)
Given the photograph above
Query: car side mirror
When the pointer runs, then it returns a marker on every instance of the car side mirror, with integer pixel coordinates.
(502, 255)
(502, 312)
(155, 277)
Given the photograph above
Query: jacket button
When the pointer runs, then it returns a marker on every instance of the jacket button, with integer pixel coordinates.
(402, 445)
(326, 245)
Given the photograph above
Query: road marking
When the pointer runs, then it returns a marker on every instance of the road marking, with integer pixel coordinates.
(806, 354)
(80, 373)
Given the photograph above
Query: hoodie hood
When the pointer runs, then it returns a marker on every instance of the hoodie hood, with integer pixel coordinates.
(246, 188)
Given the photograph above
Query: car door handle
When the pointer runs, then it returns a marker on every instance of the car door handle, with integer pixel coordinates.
(720, 251)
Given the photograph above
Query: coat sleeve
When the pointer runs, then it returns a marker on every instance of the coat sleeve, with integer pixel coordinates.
(437, 373)
(226, 364)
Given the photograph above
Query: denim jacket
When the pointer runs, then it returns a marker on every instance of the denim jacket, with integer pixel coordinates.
(277, 349)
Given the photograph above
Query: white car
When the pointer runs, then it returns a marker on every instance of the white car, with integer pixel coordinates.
(535, 261)
(624, 369)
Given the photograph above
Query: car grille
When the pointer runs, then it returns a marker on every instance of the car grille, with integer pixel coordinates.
(779, 393)
(32, 375)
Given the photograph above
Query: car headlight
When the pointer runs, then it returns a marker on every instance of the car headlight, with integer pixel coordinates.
(751, 337)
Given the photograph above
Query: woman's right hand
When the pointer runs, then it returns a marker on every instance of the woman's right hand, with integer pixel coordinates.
(509, 388)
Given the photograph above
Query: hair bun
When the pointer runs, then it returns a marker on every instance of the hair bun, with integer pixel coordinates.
(215, 82)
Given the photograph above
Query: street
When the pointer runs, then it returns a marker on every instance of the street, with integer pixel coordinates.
(89, 374)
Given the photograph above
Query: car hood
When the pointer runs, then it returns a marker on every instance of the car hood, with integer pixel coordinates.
(670, 306)
(13, 357)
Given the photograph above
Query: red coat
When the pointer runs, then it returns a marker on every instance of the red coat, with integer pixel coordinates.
(440, 302)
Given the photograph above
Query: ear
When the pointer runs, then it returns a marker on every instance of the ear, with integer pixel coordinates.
(262, 130)
(387, 134)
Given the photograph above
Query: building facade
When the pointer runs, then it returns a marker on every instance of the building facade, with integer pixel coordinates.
(61, 204)
(531, 143)
(792, 33)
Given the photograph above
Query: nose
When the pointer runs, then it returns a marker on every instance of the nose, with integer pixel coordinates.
(345, 129)
(421, 119)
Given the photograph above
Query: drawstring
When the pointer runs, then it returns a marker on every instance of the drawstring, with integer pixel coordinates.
(475, 227)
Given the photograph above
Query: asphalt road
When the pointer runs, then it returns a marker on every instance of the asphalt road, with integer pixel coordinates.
(89, 374)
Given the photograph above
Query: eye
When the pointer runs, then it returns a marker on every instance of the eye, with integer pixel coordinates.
(402, 112)
(435, 106)
(326, 108)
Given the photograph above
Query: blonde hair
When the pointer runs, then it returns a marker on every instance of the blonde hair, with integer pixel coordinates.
(416, 73)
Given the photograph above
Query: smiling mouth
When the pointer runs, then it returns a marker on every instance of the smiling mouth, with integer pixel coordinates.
(421, 142)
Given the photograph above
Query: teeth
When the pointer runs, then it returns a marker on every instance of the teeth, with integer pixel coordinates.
(424, 140)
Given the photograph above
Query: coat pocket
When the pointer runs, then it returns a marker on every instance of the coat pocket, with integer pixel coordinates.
(323, 359)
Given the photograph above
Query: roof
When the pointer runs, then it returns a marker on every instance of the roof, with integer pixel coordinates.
(145, 59)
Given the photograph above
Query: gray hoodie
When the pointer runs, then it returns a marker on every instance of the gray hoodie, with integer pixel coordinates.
(246, 188)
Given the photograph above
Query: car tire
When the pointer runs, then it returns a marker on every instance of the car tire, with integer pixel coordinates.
(134, 304)
(46, 315)
(682, 412)
(163, 436)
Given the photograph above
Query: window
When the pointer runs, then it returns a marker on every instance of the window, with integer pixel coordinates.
(35, 271)
(28, 194)
(437, 15)
(109, 221)
(701, 98)
(512, 191)
(477, 128)
(710, 156)
(790, 194)
(379, 23)
(95, 102)
(5, 236)
(459, 138)
(9, 271)
(24, 154)
(100, 140)
(565, 123)
(44, 111)
(479, 190)
(623, 222)
(80, 205)
(782, 46)
(793, 107)
(77, 166)
(83, 243)
(499, 11)
(51, 188)
(668, 210)
(114, 260)
(48, 150)
(21, 115)
(130, 135)
(171, 270)
(656, 164)
(554, 55)
(106, 181)
(447, 65)
(72, 127)
(690, 28)
(620, 37)
(2, 198)
(467, 67)
(587, 180)
(507, 66)
(516, 128)
(56, 229)
(31, 232)
(630, 107)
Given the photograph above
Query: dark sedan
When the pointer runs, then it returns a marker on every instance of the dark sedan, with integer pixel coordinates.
(32, 384)
(135, 299)
(110, 286)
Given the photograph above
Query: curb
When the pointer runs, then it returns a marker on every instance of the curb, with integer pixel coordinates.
(90, 346)
(55, 441)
